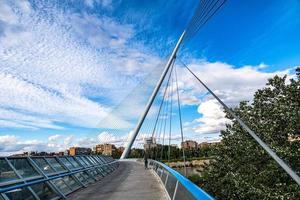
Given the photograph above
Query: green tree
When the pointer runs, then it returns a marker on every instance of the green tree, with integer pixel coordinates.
(242, 169)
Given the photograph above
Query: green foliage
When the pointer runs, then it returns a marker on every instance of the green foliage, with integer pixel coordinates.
(242, 169)
(176, 154)
(195, 179)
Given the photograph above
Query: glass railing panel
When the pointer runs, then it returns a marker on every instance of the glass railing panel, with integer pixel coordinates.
(103, 172)
(81, 161)
(23, 167)
(20, 194)
(74, 162)
(62, 186)
(183, 193)
(102, 159)
(105, 169)
(170, 185)
(89, 163)
(66, 162)
(105, 159)
(44, 191)
(164, 176)
(45, 167)
(6, 172)
(90, 159)
(55, 164)
(97, 160)
(87, 176)
(110, 159)
(81, 177)
(71, 182)
(93, 172)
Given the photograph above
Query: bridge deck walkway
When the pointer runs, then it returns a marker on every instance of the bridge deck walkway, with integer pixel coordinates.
(129, 181)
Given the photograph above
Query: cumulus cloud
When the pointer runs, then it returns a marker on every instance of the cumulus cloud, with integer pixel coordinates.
(106, 137)
(11, 144)
(230, 83)
(213, 118)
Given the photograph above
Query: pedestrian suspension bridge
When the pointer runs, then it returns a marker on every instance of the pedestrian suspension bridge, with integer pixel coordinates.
(101, 177)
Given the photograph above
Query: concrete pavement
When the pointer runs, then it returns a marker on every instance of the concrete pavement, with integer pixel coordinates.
(129, 181)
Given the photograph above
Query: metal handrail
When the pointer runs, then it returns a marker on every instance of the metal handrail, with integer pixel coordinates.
(40, 179)
(193, 189)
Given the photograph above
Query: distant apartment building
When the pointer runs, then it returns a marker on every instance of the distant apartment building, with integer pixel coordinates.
(203, 145)
(189, 144)
(149, 143)
(207, 144)
(73, 151)
(105, 149)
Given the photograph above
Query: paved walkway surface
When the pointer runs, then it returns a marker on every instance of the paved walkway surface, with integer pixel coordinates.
(129, 181)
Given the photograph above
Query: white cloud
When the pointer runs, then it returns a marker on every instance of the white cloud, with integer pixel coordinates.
(11, 144)
(100, 32)
(103, 3)
(231, 84)
(50, 69)
(6, 13)
(106, 137)
(213, 118)
(69, 140)
(54, 138)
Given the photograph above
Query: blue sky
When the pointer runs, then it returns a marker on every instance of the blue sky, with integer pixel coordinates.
(65, 66)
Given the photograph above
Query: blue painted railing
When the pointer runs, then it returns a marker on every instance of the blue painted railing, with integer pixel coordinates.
(176, 185)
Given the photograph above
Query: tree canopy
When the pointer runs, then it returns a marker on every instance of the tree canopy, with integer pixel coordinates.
(242, 169)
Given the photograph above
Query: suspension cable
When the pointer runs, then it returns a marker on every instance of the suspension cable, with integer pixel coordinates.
(198, 20)
(160, 130)
(180, 121)
(165, 122)
(170, 119)
(281, 163)
(162, 108)
(164, 95)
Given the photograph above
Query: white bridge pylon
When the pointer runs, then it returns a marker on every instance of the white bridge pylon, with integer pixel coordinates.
(151, 100)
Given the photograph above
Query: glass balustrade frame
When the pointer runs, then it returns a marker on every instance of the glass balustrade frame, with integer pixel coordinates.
(53, 177)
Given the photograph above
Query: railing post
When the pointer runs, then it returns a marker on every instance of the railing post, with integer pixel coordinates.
(175, 190)
(167, 178)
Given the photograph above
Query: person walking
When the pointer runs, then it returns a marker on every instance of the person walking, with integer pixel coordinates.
(146, 160)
